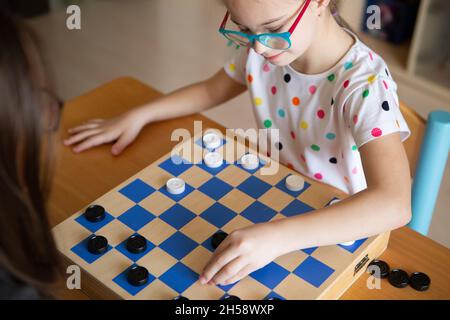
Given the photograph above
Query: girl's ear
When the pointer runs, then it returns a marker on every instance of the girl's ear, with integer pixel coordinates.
(321, 6)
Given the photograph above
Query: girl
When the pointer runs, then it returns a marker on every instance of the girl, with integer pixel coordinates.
(337, 110)
(28, 117)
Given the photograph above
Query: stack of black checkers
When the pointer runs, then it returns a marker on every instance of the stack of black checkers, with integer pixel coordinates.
(96, 244)
(137, 275)
(400, 278)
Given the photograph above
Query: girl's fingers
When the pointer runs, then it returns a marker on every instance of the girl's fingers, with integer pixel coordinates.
(90, 143)
(239, 275)
(83, 127)
(229, 271)
(81, 136)
(223, 245)
(217, 261)
(125, 139)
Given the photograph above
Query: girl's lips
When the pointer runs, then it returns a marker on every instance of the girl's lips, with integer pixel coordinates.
(273, 57)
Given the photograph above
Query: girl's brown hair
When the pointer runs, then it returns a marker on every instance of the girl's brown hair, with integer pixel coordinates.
(334, 8)
(27, 249)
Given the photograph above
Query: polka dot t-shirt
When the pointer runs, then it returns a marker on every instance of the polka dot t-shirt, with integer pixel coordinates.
(323, 119)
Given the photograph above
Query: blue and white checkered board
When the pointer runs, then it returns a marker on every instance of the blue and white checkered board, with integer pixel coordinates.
(179, 230)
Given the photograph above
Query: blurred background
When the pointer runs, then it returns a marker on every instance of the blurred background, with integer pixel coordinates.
(171, 43)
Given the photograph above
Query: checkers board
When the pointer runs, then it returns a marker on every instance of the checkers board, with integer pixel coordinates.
(178, 230)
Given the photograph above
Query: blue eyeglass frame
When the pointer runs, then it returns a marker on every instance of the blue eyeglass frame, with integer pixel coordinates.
(263, 37)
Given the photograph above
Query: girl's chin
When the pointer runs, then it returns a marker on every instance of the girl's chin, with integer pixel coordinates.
(279, 62)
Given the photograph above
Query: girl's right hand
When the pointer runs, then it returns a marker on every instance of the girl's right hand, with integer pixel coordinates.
(122, 130)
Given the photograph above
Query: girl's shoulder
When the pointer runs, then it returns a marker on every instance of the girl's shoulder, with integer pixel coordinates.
(360, 70)
(364, 60)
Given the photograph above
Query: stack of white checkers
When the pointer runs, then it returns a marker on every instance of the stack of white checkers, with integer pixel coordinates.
(212, 140)
(213, 159)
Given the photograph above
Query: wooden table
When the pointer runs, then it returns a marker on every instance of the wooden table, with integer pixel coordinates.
(80, 179)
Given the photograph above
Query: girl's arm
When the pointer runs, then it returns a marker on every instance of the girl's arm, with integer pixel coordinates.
(125, 128)
(195, 98)
(384, 205)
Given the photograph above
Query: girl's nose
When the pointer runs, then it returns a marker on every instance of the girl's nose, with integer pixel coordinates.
(259, 47)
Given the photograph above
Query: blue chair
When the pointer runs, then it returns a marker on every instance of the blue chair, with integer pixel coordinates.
(430, 164)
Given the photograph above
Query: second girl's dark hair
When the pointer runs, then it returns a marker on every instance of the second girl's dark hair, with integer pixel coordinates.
(27, 249)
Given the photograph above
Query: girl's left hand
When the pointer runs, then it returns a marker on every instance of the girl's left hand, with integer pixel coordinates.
(242, 252)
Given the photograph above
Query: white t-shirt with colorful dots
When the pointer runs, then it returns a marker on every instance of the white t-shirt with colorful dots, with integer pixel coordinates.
(324, 119)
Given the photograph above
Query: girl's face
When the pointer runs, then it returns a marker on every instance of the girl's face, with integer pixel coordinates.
(276, 16)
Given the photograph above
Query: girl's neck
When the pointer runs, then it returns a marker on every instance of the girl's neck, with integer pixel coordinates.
(326, 50)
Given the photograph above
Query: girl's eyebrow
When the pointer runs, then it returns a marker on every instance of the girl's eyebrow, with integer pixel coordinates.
(264, 24)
